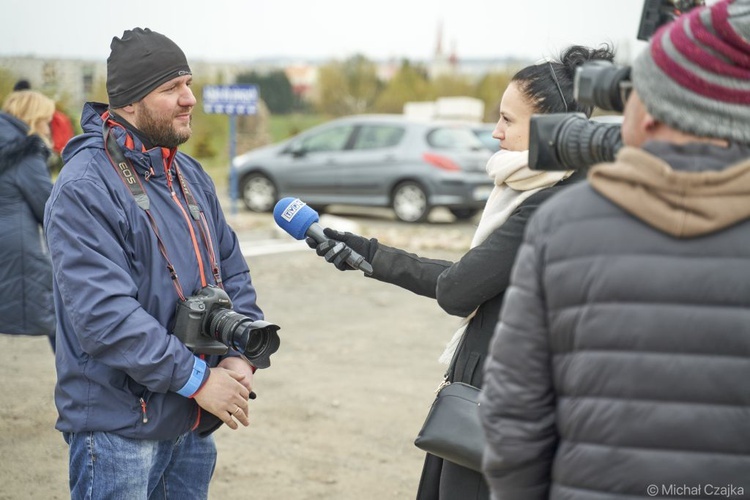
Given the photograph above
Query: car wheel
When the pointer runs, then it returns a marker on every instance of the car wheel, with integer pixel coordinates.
(410, 202)
(258, 193)
(464, 213)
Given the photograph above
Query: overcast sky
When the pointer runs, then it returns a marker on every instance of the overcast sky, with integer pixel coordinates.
(244, 30)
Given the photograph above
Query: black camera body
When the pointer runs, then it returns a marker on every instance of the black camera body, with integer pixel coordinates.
(602, 84)
(565, 141)
(206, 324)
(658, 12)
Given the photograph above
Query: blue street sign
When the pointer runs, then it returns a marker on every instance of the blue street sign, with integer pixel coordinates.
(230, 99)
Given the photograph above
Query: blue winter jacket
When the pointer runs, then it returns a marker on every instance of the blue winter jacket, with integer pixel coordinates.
(119, 366)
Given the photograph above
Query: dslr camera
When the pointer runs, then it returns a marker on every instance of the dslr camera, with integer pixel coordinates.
(206, 324)
(564, 141)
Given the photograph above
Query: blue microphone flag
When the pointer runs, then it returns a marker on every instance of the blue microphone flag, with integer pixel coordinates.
(294, 216)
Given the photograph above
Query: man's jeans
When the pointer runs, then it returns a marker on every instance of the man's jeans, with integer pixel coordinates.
(105, 465)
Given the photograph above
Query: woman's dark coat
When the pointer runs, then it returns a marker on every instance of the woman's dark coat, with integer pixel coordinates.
(25, 274)
(477, 280)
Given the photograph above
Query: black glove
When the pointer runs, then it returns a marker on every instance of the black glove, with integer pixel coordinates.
(340, 245)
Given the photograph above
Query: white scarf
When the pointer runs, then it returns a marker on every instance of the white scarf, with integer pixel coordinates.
(514, 183)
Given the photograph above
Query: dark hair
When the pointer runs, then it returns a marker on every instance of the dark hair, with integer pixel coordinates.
(21, 85)
(549, 85)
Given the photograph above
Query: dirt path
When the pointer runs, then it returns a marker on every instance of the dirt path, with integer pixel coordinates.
(336, 413)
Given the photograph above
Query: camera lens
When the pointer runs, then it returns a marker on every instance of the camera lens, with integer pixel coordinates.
(566, 141)
(585, 143)
(224, 324)
(256, 340)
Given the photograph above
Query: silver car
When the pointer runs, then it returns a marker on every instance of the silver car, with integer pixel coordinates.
(371, 160)
(484, 132)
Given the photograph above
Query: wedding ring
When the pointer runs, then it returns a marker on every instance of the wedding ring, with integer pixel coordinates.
(235, 412)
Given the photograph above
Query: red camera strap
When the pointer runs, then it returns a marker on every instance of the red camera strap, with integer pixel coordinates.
(129, 176)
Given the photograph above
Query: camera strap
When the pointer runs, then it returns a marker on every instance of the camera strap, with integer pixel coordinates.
(200, 218)
(129, 176)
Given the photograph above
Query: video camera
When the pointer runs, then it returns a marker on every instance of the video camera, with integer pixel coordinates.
(658, 12)
(564, 141)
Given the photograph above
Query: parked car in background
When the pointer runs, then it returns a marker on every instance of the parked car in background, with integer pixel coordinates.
(406, 164)
(484, 132)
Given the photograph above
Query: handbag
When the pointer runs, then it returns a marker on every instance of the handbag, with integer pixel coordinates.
(452, 430)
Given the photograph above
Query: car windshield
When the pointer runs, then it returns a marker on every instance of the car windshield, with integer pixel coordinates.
(453, 138)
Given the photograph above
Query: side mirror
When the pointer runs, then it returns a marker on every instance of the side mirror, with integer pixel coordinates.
(297, 150)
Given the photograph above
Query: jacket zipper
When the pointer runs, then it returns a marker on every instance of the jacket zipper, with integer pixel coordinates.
(144, 416)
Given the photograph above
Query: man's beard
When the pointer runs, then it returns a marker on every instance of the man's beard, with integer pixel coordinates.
(159, 130)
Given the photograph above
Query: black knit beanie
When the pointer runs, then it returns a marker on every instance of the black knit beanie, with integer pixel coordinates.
(139, 62)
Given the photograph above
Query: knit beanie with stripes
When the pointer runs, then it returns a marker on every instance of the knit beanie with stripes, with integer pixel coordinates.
(695, 74)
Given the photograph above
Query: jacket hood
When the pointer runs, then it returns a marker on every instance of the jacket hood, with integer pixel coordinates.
(91, 125)
(683, 190)
(11, 129)
(92, 137)
(15, 143)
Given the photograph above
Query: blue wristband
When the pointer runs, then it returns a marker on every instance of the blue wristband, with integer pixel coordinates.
(196, 378)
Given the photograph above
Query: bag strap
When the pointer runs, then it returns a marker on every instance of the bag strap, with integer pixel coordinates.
(451, 371)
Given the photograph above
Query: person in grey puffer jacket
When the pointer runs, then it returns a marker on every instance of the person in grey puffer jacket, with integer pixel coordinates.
(26, 305)
(620, 367)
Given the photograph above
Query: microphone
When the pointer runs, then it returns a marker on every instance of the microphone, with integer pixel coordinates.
(299, 220)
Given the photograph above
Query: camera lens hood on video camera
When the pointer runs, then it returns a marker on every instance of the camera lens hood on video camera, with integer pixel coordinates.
(569, 141)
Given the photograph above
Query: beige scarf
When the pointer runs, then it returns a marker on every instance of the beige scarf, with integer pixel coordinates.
(682, 204)
(514, 183)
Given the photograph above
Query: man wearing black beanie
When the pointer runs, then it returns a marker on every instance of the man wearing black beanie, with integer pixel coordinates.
(134, 227)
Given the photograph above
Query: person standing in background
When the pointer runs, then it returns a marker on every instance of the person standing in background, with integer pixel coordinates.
(26, 305)
(61, 128)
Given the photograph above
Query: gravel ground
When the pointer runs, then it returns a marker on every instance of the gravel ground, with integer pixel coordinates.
(337, 412)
